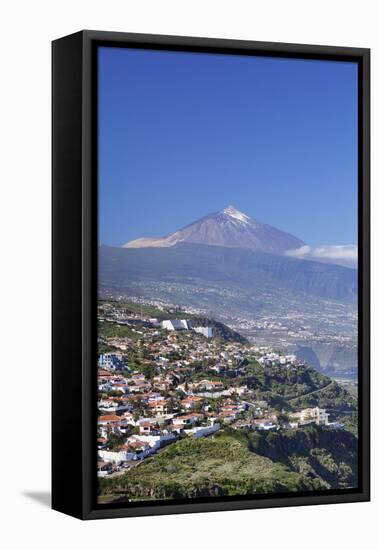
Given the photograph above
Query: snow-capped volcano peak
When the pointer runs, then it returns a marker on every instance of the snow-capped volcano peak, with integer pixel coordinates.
(236, 214)
(228, 227)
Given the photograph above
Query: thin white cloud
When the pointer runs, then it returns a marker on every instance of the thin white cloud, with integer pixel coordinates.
(346, 255)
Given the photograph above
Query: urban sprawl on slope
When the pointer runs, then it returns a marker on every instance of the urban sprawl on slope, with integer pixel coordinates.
(164, 379)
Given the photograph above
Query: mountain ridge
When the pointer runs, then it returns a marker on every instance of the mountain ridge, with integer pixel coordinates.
(216, 265)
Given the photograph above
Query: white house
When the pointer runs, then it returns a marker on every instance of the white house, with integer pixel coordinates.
(110, 406)
(266, 425)
(126, 453)
(186, 419)
(316, 415)
(114, 361)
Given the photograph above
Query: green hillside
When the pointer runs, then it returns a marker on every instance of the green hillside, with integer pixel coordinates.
(220, 330)
(241, 463)
(298, 386)
(220, 466)
(328, 455)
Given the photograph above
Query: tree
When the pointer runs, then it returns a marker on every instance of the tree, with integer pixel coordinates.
(115, 441)
(149, 371)
(282, 418)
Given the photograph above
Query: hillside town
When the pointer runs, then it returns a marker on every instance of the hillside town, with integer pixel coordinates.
(164, 379)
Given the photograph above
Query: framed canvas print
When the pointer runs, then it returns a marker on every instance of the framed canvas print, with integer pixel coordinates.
(210, 275)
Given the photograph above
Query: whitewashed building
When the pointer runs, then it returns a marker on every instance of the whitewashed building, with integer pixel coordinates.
(205, 331)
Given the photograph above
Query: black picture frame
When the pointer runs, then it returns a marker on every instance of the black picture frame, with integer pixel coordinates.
(74, 271)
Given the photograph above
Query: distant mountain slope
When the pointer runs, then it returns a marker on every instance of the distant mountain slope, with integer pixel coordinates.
(225, 269)
(227, 228)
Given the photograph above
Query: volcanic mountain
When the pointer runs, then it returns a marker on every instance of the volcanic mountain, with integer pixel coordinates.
(228, 228)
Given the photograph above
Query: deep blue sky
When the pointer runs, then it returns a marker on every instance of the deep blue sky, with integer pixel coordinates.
(183, 134)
